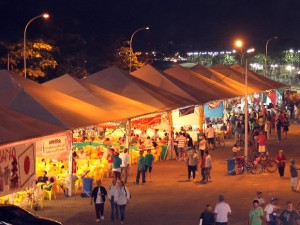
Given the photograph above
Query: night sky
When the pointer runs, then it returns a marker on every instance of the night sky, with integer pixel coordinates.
(177, 24)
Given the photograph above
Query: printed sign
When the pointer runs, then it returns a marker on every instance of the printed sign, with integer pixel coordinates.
(55, 145)
(17, 168)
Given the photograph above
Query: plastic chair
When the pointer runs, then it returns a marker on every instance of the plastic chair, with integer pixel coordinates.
(49, 193)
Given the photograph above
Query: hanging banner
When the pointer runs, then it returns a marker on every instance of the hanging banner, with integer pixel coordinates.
(214, 109)
(186, 111)
(146, 121)
(17, 168)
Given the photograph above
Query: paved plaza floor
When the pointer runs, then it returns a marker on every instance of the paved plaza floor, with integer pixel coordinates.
(170, 199)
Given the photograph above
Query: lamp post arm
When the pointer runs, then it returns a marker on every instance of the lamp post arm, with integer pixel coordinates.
(266, 60)
(24, 47)
(266, 56)
(130, 45)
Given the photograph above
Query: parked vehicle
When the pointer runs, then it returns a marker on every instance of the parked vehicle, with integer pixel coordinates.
(14, 215)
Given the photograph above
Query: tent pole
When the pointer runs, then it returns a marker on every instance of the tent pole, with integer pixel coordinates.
(201, 116)
(170, 133)
(127, 140)
(70, 169)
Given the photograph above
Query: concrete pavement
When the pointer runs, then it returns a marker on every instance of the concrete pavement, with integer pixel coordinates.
(170, 199)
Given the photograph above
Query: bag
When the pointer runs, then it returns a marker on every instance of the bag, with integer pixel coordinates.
(126, 194)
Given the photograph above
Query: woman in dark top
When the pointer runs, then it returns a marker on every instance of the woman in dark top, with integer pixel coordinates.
(207, 216)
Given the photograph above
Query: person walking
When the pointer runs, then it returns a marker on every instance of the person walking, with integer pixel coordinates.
(256, 214)
(280, 159)
(261, 139)
(111, 196)
(124, 156)
(294, 174)
(289, 216)
(271, 211)
(202, 144)
(278, 129)
(116, 165)
(140, 169)
(149, 159)
(192, 162)
(175, 142)
(222, 211)
(98, 197)
(210, 136)
(267, 127)
(182, 144)
(286, 124)
(207, 216)
(207, 167)
(202, 166)
(122, 196)
(296, 113)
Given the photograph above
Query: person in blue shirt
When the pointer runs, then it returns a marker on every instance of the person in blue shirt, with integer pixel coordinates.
(116, 166)
(149, 162)
(141, 168)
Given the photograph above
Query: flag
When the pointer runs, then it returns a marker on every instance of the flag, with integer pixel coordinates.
(26, 163)
(272, 96)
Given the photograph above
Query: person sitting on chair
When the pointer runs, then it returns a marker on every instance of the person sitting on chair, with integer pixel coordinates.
(43, 179)
(49, 186)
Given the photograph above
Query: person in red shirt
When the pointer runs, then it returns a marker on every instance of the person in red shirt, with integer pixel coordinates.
(261, 139)
(280, 116)
(280, 159)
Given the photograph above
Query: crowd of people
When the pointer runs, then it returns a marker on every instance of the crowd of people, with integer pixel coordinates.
(271, 213)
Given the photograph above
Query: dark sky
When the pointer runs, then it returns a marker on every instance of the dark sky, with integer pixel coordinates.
(181, 24)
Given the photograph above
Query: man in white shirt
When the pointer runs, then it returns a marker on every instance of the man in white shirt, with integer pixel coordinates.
(222, 211)
(272, 211)
(210, 136)
(124, 156)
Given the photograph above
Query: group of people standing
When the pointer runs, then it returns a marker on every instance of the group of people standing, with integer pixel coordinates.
(271, 212)
(260, 211)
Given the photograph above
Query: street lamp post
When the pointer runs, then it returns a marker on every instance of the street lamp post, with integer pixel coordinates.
(45, 16)
(130, 45)
(239, 44)
(266, 56)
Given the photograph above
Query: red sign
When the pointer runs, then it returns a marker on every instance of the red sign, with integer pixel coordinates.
(146, 121)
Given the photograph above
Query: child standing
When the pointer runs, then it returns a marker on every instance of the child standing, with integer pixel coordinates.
(235, 149)
(149, 158)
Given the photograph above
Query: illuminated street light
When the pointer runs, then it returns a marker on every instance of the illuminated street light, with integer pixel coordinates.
(130, 45)
(266, 56)
(240, 44)
(45, 16)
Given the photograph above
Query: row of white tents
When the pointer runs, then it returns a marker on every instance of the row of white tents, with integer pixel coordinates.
(29, 109)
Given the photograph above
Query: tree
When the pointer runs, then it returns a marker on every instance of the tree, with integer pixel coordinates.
(72, 57)
(122, 59)
(225, 59)
(38, 55)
